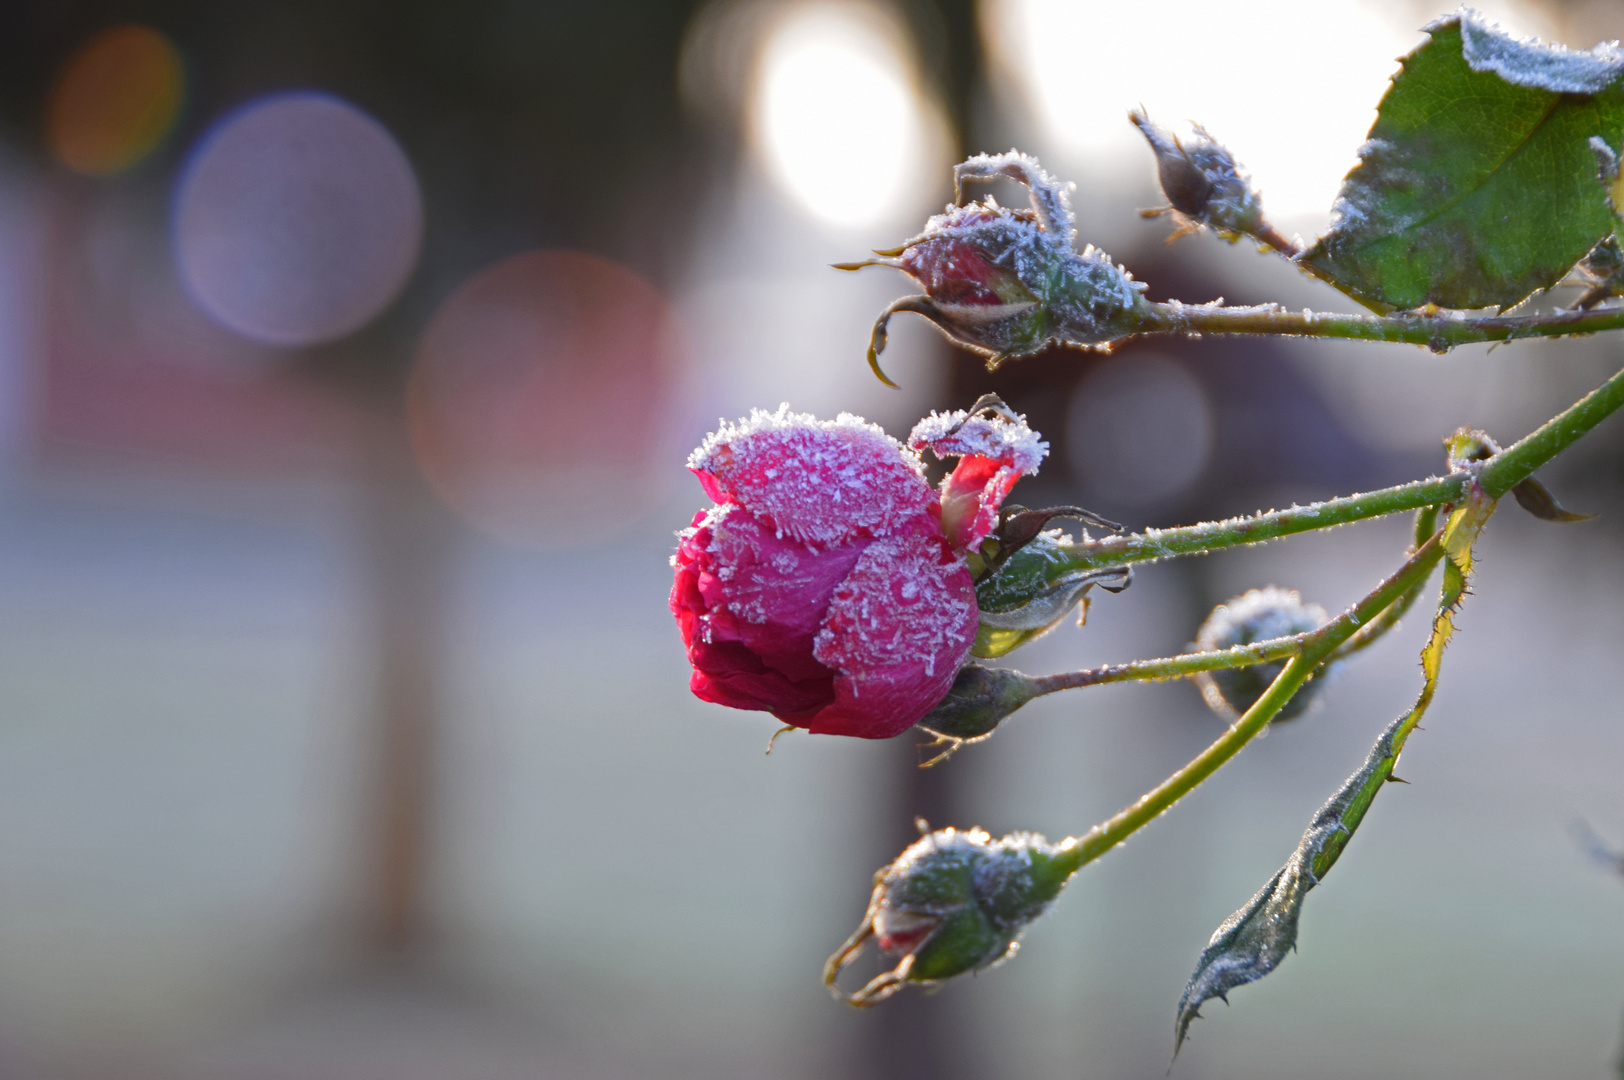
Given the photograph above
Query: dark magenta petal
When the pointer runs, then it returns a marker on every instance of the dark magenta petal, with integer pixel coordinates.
(898, 630)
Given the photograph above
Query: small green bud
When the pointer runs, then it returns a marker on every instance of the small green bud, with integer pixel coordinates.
(1031, 592)
(979, 701)
(953, 902)
(1259, 615)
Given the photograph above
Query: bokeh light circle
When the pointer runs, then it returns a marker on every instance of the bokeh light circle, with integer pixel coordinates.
(297, 220)
(542, 401)
(838, 118)
(114, 100)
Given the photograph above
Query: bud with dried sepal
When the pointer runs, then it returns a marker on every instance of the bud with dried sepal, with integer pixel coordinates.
(953, 902)
(1204, 185)
(1010, 283)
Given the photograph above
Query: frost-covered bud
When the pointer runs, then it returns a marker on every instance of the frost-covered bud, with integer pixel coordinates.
(1202, 182)
(1259, 615)
(1032, 591)
(1010, 283)
(953, 902)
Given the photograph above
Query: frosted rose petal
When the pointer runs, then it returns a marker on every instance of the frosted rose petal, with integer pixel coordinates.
(822, 482)
(898, 629)
(995, 450)
(762, 664)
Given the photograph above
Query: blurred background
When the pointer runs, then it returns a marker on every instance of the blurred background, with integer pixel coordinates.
(349, 355)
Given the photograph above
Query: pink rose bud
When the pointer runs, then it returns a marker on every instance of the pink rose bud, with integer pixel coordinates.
(822, 587)
(995, 448)
(1010, 283)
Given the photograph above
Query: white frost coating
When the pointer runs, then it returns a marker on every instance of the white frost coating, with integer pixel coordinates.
(1260, 615)
(816, 481)
(997, 868)
(1606, 159)
(902, 609)
(1531, 62)
(1005, 238)
(954, 434)
(1051, 199)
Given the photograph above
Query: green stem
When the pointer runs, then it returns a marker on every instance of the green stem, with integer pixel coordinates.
(1153, 544)
(1518, 462)
(1077, 851)
(1173, 667)
(1498, 475)
(1426, 523)
(1437, 332)
(1256, 652)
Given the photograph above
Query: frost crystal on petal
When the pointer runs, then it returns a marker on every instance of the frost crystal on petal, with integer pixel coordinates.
(1004, 238)
(897, 631)
(957, 434)
(817, 481)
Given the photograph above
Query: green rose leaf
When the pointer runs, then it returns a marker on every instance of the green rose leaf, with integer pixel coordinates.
(1479, 183)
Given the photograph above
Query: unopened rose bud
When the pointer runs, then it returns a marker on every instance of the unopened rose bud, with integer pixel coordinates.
(1203, 183)
(830, 585)
(1031, 592)
(1010, 283)
(1259, 615)
(953, 902)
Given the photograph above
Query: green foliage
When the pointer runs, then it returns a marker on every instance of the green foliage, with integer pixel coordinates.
(1479, 183)
(1251, 943)
(1492, 171)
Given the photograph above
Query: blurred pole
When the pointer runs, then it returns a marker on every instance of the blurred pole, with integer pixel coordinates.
(915, 1036)
(406, 537)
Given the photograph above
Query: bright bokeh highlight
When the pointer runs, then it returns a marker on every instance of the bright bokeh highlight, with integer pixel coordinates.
(114, 100)
(838, 119)
(1290, 87)
(297, 220)
(541, 401)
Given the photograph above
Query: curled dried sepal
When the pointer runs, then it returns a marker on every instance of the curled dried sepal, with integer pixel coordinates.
(1466, 446)
(953, 902)
(1031, 591)
(1010, 283)
(1537, 499)
(1205, 186)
